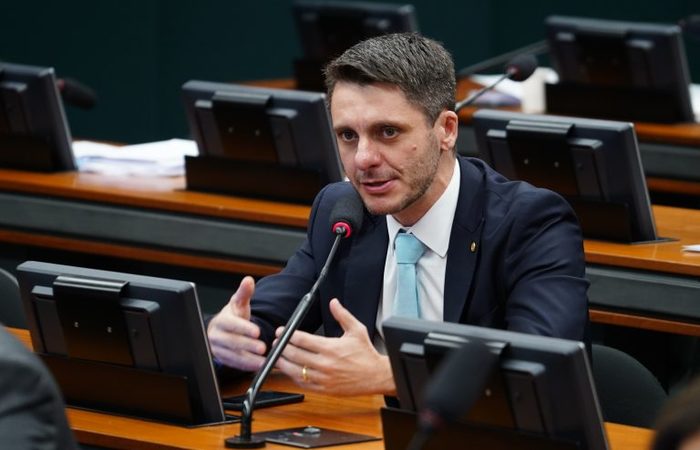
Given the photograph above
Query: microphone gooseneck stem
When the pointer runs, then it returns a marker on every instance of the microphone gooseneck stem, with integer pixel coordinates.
(276, 351)
(536, 48)
(469, 100)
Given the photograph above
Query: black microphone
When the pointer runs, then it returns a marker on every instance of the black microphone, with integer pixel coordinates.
(534, 49)
(345, 218)
(76, 93)
(518, 69)
(456, 385)
(691, 26)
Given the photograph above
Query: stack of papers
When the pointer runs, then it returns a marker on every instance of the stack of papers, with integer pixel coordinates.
(161, 159)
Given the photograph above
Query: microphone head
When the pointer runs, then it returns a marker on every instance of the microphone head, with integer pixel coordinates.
(691, 26)
(347, 213)
(76, 93)
(457, 384)
(521, 67)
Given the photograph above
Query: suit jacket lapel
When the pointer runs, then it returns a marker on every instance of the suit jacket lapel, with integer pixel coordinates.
(465, 244)
(365, 275)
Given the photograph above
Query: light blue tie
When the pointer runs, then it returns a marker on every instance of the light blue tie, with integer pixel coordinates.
(408, 251)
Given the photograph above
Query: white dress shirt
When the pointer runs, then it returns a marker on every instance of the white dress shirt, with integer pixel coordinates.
(433, 230)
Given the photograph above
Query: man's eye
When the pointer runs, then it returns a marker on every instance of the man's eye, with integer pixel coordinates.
(389, 132)
(347, 135)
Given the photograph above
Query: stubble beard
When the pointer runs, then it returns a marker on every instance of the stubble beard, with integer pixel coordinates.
(421, 176)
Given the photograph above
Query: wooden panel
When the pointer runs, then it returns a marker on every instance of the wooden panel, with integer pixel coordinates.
(152, 192)
(644, 323)
(137, 253)
(681, 226)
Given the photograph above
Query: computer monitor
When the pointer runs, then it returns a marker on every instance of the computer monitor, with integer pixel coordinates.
(594, 164)
(618, 70)
(122, 343)
(328, 28)
(540, 395)
(34, 133)
(265, 142)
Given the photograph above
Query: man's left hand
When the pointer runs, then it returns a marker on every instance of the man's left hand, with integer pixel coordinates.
(348, 365)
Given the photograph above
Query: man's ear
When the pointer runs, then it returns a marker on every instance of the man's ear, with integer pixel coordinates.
(447, 128)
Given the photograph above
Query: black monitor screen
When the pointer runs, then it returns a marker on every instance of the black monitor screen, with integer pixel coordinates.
(618, 70)
(34, 132)
(594, 164)
(122, 343)
(541, 389)
(327, 28)
(275, 139)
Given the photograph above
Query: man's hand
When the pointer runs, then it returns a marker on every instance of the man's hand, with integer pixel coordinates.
(233, 338)
(348, 365)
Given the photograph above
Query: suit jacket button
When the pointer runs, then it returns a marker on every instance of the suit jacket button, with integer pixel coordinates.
(472, 247)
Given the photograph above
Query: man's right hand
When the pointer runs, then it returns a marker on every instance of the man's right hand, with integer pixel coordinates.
(233, 338)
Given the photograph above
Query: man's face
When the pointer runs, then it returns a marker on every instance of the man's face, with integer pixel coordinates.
(398, 162)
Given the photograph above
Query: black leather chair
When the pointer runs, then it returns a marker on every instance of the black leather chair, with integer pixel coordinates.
(11, 312)
(628, 392)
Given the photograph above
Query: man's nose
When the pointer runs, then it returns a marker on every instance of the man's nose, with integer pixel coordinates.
(367, 154)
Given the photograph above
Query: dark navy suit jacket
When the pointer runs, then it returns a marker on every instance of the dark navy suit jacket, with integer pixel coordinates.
(32, 412)
(525, 274)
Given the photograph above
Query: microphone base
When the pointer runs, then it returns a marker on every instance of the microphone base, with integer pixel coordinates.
(241, 442)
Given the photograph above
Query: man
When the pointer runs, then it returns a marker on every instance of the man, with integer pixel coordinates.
(497, 253)
(32, 412)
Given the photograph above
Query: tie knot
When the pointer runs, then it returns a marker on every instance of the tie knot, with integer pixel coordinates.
(408, 248)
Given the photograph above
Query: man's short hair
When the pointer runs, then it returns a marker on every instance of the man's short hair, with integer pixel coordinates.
(419, 66)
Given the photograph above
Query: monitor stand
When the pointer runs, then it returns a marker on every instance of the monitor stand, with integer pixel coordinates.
(26, 153)
(268, 181)
(616, 103)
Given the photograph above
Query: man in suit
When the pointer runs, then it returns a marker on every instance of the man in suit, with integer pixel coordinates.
(497, 253)
(32, 413)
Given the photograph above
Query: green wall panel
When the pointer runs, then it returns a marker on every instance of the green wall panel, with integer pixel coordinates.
(137, 54)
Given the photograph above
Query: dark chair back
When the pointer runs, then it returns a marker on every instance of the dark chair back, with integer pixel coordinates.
(11, 312)
(628, 392)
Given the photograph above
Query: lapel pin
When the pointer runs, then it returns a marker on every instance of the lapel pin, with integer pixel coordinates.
(472, 247)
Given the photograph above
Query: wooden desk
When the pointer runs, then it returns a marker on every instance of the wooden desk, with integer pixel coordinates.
(650, 286)
(352, 414)
(156, 220)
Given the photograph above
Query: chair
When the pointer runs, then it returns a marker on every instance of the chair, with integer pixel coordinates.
(11, 312)
(628, 392)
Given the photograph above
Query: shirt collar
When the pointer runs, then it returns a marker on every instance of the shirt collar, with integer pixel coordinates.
(430, 228)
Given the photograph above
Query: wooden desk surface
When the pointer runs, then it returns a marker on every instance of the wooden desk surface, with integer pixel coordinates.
(681, 225)
(352, 414)
(165, 193)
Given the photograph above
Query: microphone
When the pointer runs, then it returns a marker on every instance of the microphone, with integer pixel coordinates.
(518, 69)
(447, 395)
(691, 26)
(534, 49)
(76, 93)
(345, 218)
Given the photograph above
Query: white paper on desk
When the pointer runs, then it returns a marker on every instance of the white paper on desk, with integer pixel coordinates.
(162, 158)
(691, 248)
(530, 92)
(695, 100)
